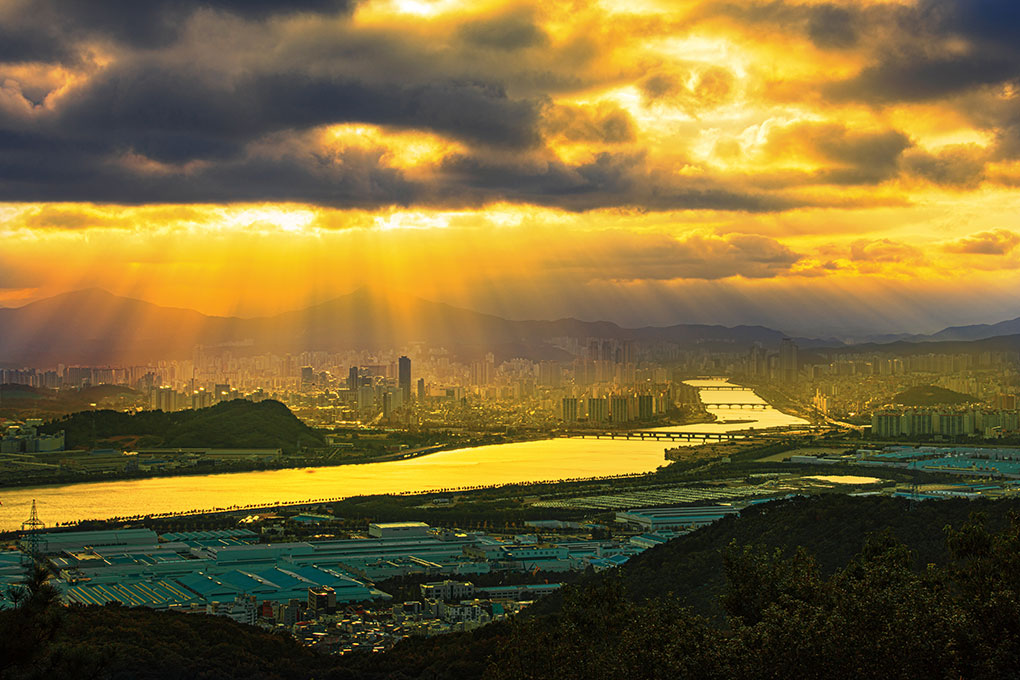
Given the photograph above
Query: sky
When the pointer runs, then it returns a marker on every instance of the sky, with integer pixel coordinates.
(818, 167)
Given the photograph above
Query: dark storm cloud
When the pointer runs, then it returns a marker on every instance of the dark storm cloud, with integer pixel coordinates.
(359, 178)
(826, 25)
(175, 115)
(353, 178)
(910, 47)
(477, 112)
(156, 23)
(920, 77)
(160, 128)
(960, 51)
(606, 124)
(918, 64)
(513, 30)
(959, 166)
(610, 179)
(830, 26)
(712, 86)
(33, 43)
(986, 21)
(162, 115)
(852, 157)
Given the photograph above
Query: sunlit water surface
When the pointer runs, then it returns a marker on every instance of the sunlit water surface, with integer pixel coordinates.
(533, 461)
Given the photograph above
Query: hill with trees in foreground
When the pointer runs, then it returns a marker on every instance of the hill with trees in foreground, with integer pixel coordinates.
(880, 589)
(232, 424)
(931, 395)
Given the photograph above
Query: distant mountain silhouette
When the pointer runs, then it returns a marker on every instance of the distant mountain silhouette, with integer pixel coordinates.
(94, 326)
(979, 331)
(999, 343)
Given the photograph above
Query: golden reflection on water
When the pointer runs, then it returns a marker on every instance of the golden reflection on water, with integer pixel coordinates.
(548, 459)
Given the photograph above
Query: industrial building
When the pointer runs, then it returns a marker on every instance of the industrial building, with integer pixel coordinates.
(672, 519)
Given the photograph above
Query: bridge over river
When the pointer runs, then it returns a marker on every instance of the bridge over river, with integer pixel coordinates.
(689, 435)
(659, 435)
(595, 455)
(738, 404)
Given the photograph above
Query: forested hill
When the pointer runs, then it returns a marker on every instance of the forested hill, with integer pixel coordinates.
(931, 395)
(854, 603)
(832, 528)
(231, 424)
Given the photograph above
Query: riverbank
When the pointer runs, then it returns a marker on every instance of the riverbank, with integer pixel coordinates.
(509, 505)
(288, 462)
(339, 457)
(782, 401)
(467, 467)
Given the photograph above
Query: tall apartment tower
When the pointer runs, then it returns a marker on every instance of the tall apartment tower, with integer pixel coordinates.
(404, 378)
(788, 361)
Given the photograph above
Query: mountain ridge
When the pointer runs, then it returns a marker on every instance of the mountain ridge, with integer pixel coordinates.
(95, 326)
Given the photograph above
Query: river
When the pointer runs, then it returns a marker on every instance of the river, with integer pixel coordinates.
(531, 461)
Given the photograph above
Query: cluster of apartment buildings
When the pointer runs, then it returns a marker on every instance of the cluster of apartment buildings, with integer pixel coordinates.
(944, 422)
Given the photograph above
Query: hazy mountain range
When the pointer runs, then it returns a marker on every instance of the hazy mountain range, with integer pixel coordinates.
(954, 333)
(95, 327)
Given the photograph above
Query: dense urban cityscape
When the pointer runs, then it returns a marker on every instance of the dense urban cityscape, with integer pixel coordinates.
(448, 340)
(915, 423)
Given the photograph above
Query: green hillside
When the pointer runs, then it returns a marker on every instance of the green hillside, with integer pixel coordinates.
(231, 424)
(930, 395)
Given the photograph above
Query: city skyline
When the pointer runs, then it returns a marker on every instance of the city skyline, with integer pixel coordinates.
(847, 166)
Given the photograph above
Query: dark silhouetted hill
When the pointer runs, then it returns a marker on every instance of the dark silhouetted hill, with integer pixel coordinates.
(831, 527)
(232, 424)
(881, 589)
(931, 395)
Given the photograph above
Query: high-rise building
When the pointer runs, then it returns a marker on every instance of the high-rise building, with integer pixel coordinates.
(646, 406)
(421, 389)
(482, 371)
(352, 378)
(756, 361)
(788, 361)
(569, 409)
(549, 374)
(164, 399)
(620, 409)
(404, 378)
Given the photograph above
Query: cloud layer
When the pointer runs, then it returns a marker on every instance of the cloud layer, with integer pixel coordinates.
(193, 101)
(737, 143)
